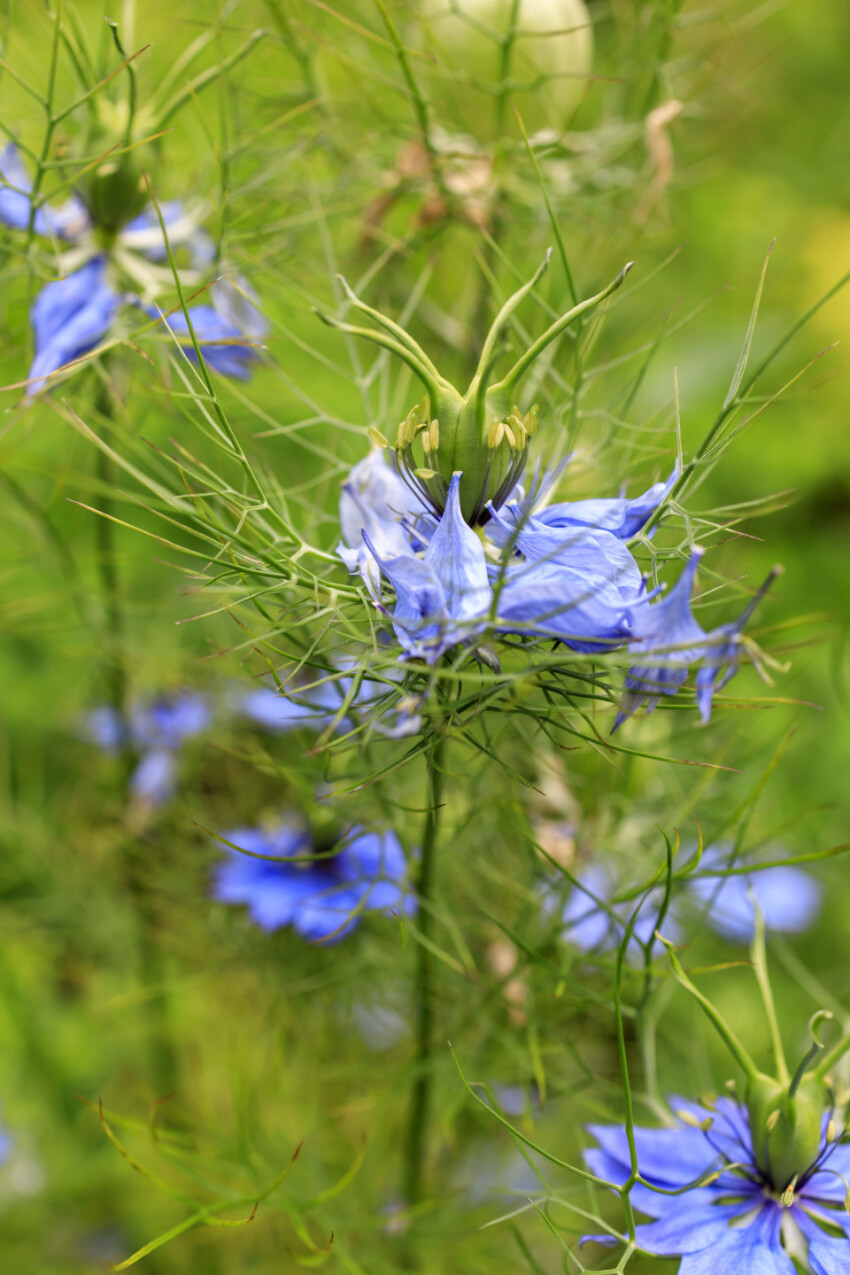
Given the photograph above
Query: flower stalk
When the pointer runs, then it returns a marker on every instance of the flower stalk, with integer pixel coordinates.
(420, 1096)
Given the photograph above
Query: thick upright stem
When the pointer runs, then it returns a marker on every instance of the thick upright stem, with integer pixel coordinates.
(137, 852)
(108, 570)
(420, 1096)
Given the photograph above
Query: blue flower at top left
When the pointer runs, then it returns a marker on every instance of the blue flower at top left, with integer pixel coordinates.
(99, 272)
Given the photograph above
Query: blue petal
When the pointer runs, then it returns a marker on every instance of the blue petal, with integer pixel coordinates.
(686, 1229)
(597, 554)
(669, 1157)
(420, 618)
(374, 501)
(284, 897)
(747, 1250)
(578, 608)
(106, 728)
(375, 863)
(374, 485)
(586, 924)
(328, 915)
(68, 221)
(278, 712)
(167, 723)
(724, 652)
(144, 234)
(668, 634)
(236, 302)
(153, 780)
(232, 358)
(828, 1255)
(456, 556)
(622, 518)
(789, 899)
(70, 317)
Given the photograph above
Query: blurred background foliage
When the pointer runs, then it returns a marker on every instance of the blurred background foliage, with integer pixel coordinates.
(120, 980)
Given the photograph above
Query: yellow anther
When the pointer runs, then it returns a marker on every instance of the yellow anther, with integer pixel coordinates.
(495, 434)
(435, 434)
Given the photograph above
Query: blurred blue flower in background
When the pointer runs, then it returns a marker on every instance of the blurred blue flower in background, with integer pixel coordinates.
(321, 895)
(155, 730)
(788, 897)
(742, 1223)
(317, 706)
(72, 314)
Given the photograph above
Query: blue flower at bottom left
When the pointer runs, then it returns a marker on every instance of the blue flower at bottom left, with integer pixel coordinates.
(322, 894)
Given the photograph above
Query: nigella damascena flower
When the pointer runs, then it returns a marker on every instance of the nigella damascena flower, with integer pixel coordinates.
(719, 1206)
(321, 892)
(338, 701)
(102, 266)
(155, 731)
(788, 898)
(466, 551)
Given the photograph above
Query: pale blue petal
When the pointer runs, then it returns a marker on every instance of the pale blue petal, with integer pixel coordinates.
(828, 1255)
(575, 607)
(748, 1250)
(144, 234)
(70, 317)
(686, 1229)
(68, 221)
(223, 346)
(621, 517)
(789, 899)
(669, 1157)
(667, 633)
(238, 304)
(456, 557)
(153, 781)
(167, 723)
(598, 554)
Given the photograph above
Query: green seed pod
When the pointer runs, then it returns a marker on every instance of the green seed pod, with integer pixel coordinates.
(114, 192)
(786, 1127)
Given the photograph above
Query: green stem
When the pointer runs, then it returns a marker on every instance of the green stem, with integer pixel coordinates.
(108, 576)
(138, 853)
(420, 1097)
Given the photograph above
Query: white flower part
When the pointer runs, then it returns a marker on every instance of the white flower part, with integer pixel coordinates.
(180, 230)
(151, 279)
(235, 301)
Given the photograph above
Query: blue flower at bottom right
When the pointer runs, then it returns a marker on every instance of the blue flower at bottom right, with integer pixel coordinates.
(742, 1222)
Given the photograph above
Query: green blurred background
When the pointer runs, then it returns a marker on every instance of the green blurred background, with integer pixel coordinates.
(257, 1036)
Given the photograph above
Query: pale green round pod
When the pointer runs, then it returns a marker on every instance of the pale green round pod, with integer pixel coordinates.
(786, 1130)
(546, 65)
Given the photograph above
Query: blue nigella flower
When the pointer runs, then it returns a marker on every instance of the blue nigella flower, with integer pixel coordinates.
(788, 898)
(563, 572)
(742, 1222)
(73, 314)
(155, 731)
(317, 706)
(444, 597)
(323, 898)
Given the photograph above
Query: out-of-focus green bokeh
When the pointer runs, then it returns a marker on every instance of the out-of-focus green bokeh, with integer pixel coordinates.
(256, 1037)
